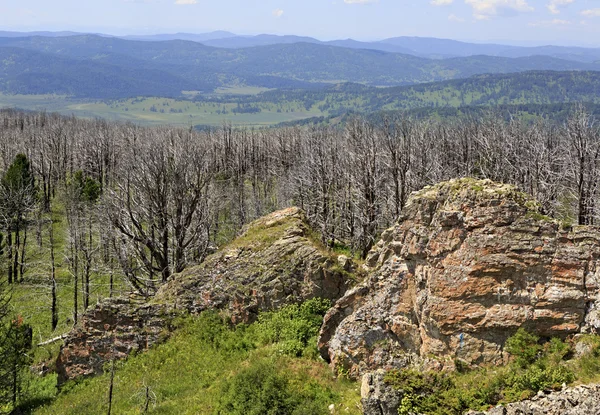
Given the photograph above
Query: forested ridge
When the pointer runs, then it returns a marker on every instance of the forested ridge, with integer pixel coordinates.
(183, 66)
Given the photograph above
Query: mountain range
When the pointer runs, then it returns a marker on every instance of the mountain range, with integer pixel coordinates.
(93, 66)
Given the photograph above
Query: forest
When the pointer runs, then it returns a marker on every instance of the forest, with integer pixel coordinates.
(93, 209)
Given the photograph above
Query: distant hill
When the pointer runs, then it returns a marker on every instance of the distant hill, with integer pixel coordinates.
(431, 48)
(30, 72)
(425, 47)
(535, 88)
(176, 65)
(202, 37)
(444, 48)
(45, 34)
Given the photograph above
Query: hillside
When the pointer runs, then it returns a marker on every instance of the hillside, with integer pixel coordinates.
(526, 95)
(184, 65)
(527, 88)
(452, 285)
(30, 72)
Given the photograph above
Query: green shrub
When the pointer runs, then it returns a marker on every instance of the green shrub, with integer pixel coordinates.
(294, 328)
(257, 390)
(535, 367)
(262, 389)
(524, 347)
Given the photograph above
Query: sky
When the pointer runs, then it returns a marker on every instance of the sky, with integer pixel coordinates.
(569, 22)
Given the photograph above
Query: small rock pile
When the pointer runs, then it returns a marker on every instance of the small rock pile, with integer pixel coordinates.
(580, 400)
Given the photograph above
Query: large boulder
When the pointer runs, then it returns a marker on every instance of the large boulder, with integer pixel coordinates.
(469, 263)
(274, 262)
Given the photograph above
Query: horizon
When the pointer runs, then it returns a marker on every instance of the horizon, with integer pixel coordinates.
(507, 42)
(511, 22)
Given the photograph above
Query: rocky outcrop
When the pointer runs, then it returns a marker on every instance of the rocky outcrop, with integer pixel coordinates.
(468, 264)
(274, 262)
(112, 330)
(580, 400)
(380, 398)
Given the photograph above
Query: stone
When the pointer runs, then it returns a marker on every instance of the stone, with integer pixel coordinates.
(113, 329)
(272, 263)
(579, 400)
(469, 262)
(378, 397)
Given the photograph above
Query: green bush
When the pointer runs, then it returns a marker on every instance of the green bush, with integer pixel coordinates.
(524, 347)
(257, 390)
(262, 389)
(535, 367)
(294, 328)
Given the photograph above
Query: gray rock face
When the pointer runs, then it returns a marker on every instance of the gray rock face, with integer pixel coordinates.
(580, 400)
(469, 263)
(273, 263)
(379, 398)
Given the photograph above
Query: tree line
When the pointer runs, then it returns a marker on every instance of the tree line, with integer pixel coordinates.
(165, 197)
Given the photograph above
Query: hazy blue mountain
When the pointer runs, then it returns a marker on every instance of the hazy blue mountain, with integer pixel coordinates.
(195, 66)
(443, 48)
(30, 72)
(259, 40)
(46, 34)
(201, 37)
(432, 48)
(420, 46)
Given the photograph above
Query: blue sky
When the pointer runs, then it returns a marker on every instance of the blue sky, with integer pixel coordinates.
(536, 21)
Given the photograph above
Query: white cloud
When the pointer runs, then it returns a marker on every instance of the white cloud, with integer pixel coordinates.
(454, 18)
(360, 1)
(591, 12)
(554, 22)
(484, 9)
(185, 2)
(278, 13)
(442, 2)
(555, 4)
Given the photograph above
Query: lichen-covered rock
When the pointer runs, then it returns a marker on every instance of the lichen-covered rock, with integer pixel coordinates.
(468, 264)
(273, 263)
(580, 400)
(112, 330)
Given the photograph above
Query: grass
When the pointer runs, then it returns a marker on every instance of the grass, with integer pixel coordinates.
(158, 111)
(197, 370)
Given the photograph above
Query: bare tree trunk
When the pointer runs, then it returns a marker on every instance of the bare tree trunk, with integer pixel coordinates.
(111, 384)
(54, 309)
(9, 250)
(22, 262)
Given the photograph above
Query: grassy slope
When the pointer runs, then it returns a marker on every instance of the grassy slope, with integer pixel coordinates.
(189, 373)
